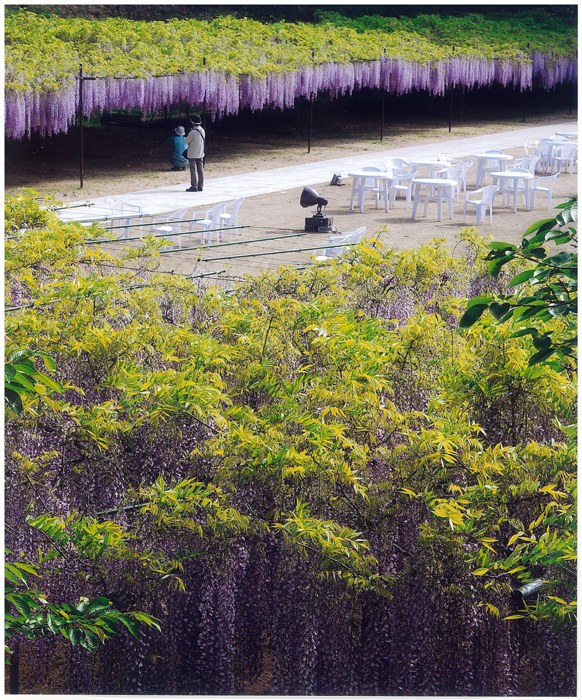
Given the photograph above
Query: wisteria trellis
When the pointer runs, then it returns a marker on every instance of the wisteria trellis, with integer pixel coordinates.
(225, 93)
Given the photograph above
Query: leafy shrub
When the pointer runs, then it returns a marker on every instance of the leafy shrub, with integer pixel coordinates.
(316, 465)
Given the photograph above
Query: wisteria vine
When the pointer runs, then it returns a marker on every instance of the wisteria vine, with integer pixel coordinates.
(222, 93)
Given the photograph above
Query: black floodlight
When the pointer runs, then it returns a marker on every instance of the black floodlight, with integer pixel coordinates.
(309, 198)
(318, 222)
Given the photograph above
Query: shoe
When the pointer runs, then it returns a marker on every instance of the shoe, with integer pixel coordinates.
(200, 189)
(191, 189)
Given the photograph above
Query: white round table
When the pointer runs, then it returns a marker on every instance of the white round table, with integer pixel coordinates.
(512, 176)
(434, 192)
(482, 158)
(381, 184)
(431, 164)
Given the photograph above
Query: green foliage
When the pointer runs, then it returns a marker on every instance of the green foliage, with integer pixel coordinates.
(505, 552)
(45, 51)
(178, 506)
(87, 622)
(332, 406)
(549, 284)
(538, 29)
(342, 551)
(21, 378)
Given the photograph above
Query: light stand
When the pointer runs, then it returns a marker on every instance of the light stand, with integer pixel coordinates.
(318, 222)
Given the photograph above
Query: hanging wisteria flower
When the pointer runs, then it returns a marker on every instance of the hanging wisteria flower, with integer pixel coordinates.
(208, 65)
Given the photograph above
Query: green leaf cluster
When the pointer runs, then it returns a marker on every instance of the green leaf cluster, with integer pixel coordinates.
(22, 378)
(333, 405)
(549, 287)
(87, 623)
(44, 52)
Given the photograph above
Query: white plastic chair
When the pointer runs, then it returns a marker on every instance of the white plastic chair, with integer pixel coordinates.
(213, 216)
(170, 229)
(465, 165)
(529, 163)
(365, 185)
(543, 184)
(121, 207)
(563, 155)
(335, 245)
(531, 150)
(481, 205)
(452, 172)
(207, 220)
(230, 218)
(403, 164)
(401, 171)
(487, 165)
(546, 150)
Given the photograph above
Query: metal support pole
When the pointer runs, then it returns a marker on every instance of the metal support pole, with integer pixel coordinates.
(310, 111)
(81, 81)
(100, 241)
(451, 107)
(273, 252)
(525, 96)
(383, 96)
(382, 121)
(310, 122)
(81, 120)
(204, 101)
(223, 245)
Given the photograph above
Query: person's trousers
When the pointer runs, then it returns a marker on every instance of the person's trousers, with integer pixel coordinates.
(196, 173)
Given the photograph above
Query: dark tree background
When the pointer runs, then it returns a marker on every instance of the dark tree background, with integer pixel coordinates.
(289, 13)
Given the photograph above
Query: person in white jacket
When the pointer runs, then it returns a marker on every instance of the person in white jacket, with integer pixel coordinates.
(195, 143)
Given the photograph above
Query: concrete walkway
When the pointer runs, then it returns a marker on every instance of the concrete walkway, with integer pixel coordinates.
(222, 189)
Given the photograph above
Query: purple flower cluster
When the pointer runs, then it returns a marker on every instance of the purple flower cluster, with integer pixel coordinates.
(224, 93)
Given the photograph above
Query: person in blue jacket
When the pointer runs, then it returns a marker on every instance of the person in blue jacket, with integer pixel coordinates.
(178, 144)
